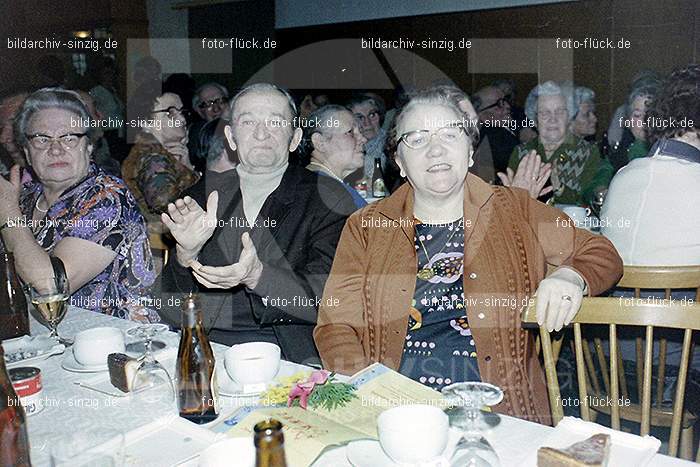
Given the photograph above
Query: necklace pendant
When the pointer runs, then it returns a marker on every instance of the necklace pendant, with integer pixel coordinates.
(426, 273)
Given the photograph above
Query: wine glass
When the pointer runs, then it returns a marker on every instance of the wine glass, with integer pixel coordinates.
(49, 296)
(151, 381)
(467, 399)
(99, 448)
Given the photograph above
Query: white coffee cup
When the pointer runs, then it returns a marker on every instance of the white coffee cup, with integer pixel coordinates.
(92, 346)
(413, 433)
(252, 362)
(237, 452)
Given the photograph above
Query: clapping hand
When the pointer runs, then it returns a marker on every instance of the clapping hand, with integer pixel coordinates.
(532, 175)
(190, 225)
(246, 271)
(559, 298)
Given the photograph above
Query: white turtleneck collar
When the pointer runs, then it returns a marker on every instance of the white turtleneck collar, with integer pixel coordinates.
(255, 188)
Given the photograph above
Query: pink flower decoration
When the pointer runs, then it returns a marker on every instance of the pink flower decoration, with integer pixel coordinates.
(303, 389)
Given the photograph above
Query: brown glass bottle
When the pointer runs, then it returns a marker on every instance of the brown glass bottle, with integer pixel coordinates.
(14, 442)
(269, 444)
(14, 315)
(195, 367)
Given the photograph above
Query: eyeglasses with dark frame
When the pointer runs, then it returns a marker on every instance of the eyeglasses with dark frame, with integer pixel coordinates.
(209, 104)
(173, 111)
(42, 142)
(498, 103)
(418, 139)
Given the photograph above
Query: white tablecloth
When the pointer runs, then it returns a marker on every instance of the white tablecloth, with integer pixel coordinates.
(71, 408)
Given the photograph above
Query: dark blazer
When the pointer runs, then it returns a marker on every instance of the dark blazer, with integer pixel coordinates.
(298, 230)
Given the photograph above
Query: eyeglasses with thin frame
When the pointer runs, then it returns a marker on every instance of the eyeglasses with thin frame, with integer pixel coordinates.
(418, 139)
(209, 104)
(42, 142)
(173, 112)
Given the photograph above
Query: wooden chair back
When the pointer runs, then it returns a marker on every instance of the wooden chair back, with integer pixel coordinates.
(668, 278)
(162, 242)
(612, 312)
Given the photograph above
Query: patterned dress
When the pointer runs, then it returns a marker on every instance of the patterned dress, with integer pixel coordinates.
(439, 348)
(100, 209)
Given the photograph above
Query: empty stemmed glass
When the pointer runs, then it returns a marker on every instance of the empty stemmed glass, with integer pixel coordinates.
(49, 296)
(151, 381)
(467, 399)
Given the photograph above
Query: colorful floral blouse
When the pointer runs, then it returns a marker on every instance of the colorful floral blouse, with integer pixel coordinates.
(100, 209)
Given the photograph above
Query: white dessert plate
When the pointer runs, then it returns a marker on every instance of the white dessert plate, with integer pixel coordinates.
(71, 364)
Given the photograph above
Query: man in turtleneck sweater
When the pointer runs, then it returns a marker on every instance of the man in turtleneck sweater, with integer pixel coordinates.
(260, 253)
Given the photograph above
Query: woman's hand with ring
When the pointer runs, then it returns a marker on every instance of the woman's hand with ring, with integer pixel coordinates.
(559, 298)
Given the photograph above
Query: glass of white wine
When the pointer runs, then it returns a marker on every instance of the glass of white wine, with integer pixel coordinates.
(50, 296)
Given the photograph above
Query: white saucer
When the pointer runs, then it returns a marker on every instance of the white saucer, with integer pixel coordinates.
(230, 388)
(71, 364)
(369, 453)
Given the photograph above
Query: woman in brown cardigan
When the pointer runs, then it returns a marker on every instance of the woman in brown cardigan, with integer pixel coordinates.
(431, 280)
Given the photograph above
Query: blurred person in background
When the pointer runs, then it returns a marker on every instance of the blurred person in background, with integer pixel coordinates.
(643, 78)
(209, 102)
(101, 150)
(86, 218)
(584, 123)
(337, 146)
(213, 148)
(11, 153)
(368, 111)
(634, 142)
(496, 125)
(147, 81)
(310, 103)
(158, 168)
(577, 169)
(110, 108)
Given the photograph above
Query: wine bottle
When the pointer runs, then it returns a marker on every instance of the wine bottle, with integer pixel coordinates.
(14, 315)
(378, 185)
(14, 442)
(196, 383)
(269, 444)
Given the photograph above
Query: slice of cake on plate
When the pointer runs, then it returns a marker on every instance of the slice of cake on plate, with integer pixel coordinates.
(591, 452)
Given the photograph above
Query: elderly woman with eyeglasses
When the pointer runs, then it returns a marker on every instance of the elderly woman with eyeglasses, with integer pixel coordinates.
(431, 280)
(158, 169)
(73, 211)
(577, 169)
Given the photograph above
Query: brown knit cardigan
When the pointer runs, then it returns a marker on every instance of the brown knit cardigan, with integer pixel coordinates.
(510, 239)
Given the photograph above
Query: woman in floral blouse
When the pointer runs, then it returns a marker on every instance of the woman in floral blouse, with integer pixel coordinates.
(158, 168)
(72, 210)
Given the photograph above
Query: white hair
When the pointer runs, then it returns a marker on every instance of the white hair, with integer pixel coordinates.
(549, 88)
